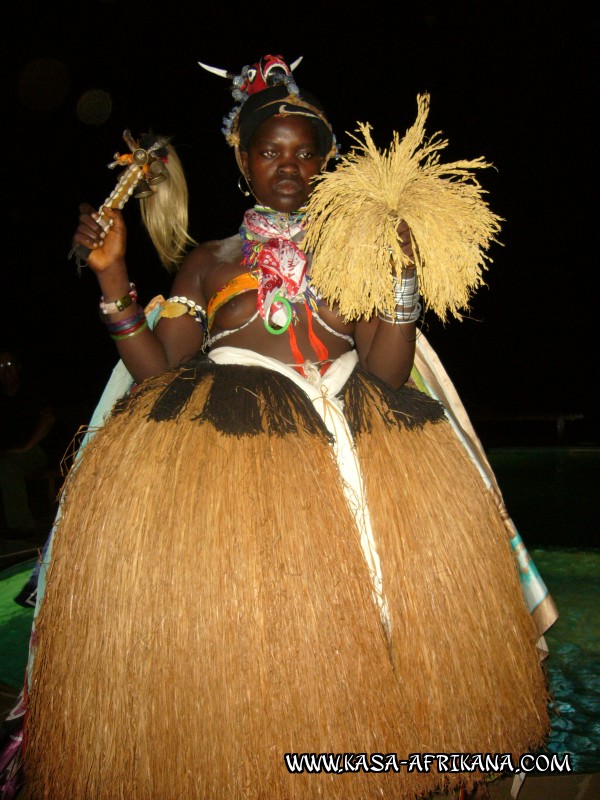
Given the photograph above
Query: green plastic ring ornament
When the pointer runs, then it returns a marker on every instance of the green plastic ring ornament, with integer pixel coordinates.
(288, 308)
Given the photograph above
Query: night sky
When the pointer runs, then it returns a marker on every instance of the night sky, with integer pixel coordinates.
(514, 87)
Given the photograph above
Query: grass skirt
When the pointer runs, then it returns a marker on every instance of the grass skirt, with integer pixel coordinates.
(208, 606)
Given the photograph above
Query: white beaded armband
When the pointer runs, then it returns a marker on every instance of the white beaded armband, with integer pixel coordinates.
(178, 306)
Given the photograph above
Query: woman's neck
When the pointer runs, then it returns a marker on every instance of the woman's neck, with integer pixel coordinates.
(269, 212)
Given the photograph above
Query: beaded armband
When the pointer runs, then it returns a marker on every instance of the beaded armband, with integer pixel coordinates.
(178, 306)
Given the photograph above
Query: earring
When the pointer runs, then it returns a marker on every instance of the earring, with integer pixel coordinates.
(245, 192)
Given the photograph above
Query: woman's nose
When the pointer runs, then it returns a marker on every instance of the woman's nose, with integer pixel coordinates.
(288, 165)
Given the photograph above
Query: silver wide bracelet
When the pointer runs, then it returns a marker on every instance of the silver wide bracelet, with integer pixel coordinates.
(406, 295)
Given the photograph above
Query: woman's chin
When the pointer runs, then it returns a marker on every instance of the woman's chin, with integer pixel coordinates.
(287, 204)
(286, 200)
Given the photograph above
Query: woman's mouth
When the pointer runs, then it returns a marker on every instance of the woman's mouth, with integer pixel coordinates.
(288, 185)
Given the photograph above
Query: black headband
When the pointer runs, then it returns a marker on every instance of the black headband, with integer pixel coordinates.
(275, 100)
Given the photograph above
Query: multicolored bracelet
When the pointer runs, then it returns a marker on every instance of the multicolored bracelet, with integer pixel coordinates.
(121, 304)
(118, 337)
(126, 328)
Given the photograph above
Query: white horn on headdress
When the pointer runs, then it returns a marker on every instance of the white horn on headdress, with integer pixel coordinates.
(295, 64)
(216, 71)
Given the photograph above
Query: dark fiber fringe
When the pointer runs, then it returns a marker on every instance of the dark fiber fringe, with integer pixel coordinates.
(365, 395)
(174, 398)
(178, 386)
(247, 401)
(242, 401)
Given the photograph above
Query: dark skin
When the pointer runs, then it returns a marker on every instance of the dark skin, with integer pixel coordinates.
(280, 162)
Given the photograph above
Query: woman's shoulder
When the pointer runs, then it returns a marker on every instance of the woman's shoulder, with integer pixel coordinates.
(222, 249)
(211, 255)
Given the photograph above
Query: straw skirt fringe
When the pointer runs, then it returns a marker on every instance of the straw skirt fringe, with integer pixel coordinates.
(208, 609)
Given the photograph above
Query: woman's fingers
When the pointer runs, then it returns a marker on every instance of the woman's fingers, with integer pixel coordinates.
(103, 234)
(403, 232)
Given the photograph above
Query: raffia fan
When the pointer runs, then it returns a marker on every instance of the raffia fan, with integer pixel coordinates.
(355, 211)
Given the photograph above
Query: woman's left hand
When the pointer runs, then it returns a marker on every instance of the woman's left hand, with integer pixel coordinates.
(405, 240)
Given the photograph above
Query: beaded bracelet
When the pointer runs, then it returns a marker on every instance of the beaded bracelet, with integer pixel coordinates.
(121, 304)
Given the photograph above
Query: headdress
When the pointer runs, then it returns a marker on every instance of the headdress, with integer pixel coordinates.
(264, 90)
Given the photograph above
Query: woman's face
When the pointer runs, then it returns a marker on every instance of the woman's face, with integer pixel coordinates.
(282, 158)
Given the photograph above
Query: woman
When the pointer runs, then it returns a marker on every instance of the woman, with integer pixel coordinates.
(278, 161)
(282, 553)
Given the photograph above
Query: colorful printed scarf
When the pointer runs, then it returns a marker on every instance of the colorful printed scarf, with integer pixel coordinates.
(270, 247)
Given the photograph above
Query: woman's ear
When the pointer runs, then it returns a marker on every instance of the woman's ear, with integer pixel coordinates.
(244, 162)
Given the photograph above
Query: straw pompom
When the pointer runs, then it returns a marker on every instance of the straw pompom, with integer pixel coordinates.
(355, 211)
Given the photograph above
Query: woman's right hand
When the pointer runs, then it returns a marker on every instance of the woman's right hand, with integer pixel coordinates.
(107, 248)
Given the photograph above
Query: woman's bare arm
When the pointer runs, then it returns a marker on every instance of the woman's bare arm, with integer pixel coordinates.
(146, 353)
(385, 348)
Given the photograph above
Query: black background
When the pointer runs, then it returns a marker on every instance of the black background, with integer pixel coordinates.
(514, 86)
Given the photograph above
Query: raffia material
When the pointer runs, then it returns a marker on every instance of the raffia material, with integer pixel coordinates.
(366, 397)
(208, 609)
(247, 401)
(463, 642)
(355, 211)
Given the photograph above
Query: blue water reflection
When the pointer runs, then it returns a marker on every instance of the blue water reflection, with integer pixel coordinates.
(573, 579)
(553, 495)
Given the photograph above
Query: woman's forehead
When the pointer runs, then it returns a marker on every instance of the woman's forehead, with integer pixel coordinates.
(286, 127)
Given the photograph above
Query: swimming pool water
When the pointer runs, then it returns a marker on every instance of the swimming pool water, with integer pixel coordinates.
(573, 579)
